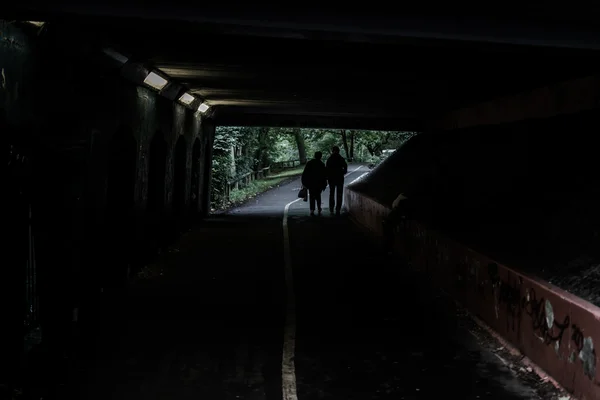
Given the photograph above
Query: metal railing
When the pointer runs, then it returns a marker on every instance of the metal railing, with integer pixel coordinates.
(247, 177)
(285, 164)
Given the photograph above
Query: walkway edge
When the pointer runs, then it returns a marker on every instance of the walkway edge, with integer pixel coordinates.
(288, 369)
(553, 328)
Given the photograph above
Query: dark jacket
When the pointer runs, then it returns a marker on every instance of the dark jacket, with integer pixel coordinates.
(336, 168)
(314, 176)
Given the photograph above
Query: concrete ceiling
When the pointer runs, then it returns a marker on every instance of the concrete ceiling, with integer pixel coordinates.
(335, 69)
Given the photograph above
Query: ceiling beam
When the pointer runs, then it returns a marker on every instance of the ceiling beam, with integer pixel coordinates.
(539, 26)
(319, 121)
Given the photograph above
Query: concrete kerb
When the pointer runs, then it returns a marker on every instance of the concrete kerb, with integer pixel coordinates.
(554, 329)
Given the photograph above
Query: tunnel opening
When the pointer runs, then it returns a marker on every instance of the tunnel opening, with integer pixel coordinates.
(179, 178)
(195, 179)
(157, 189)
(249, 160)
(120, 202)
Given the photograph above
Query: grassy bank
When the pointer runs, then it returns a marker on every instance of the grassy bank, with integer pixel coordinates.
(259, 186)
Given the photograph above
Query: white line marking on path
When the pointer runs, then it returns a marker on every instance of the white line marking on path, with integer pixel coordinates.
(353, 171)
(288, 369)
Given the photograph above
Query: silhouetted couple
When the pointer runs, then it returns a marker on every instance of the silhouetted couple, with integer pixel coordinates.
(316, 175)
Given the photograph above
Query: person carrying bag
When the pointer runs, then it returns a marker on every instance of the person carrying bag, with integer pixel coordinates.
(303, 193)
(314, 181)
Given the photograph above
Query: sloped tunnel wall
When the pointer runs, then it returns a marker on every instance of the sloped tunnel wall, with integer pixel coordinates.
(505, 219)
(526, 191)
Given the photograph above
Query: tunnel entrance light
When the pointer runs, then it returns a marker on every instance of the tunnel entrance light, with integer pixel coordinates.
(116, 56)
(203, 107)
(186, 99)
(155, 80)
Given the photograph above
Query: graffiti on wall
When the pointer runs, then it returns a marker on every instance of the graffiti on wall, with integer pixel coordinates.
(544, 323)
(513, 301)
(523, 305)
(507, 294)
(584, 350)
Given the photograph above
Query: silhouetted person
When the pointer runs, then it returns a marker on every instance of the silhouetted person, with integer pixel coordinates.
(314, 178)
(336, 169)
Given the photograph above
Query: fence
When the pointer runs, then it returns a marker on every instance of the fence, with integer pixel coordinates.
(245, 178)
(284, 164)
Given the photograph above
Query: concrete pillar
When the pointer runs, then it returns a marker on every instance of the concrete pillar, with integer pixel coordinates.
(208, 133)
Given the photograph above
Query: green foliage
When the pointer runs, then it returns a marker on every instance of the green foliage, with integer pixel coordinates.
(285, 149)
(238, 150)
(368, 145)
(226, 138)
(259, 186)
(321, 140)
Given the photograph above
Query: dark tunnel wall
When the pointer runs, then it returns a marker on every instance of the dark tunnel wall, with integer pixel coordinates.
(532, 185)
(85, 134)
(109, 106)
(17, 119)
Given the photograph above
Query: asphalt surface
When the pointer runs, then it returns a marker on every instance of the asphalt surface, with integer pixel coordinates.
(210, 323)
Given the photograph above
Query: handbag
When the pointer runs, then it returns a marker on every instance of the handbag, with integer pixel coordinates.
(303, 194)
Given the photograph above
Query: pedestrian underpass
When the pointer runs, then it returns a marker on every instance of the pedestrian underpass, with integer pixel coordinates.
(134, 289)
(359, 325)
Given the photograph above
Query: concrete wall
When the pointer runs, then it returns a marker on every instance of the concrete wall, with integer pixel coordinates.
(64, 112)
(16, 109)
(561, 98)
(555, 329)
(534, 182)
(498, 199)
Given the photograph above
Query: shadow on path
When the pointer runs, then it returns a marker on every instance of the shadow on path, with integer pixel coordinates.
(369, 329)
(209, 327)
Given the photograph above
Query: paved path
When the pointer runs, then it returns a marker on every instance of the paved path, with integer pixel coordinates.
(212, 325)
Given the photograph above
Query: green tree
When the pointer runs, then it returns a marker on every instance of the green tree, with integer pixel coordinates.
(322, 140)
(300, 144)
(291, 144)
(377, 141)
(238, 150)
(355, 143)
